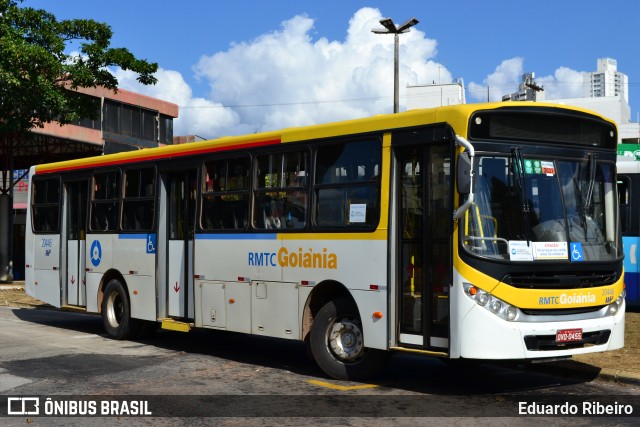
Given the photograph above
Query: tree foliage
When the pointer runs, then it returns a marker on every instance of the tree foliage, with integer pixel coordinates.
(36, 72)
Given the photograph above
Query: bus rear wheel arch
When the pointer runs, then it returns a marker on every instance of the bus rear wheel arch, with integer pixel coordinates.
(337, 343)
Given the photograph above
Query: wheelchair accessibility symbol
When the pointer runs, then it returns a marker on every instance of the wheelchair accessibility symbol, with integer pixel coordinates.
(96, 253)
(151, 243)
(577, 255)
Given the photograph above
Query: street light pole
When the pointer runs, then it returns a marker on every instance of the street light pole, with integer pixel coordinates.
(390, 28)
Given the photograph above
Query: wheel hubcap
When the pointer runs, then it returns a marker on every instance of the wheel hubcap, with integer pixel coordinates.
(345, 339)
(114, 309)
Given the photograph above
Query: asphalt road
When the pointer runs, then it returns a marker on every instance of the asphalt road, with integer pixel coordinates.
(246, 380)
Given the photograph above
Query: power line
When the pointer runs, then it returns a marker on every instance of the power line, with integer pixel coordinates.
(481, 89)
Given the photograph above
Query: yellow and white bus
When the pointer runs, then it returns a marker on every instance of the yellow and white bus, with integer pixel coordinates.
(480, 231)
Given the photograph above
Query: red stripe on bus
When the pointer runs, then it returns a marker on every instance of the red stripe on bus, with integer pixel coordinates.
(158, 156)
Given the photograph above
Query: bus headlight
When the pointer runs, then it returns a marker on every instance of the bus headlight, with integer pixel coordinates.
(491, 303)
(482, 298)
(615, 306)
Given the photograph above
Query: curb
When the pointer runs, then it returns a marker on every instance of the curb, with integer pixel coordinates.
(619, 376)
(577, 369)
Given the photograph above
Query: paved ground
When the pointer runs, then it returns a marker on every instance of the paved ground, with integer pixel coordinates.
(621, 365)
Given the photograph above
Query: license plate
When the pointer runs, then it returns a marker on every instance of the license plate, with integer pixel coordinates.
(568, 335)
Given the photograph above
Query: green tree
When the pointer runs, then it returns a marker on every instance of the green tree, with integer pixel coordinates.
(36, 72)
(38, 77)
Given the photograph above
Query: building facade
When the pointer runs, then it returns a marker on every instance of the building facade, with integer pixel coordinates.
(528, 90)
(606, 81)
(435, 95)
(123, 121)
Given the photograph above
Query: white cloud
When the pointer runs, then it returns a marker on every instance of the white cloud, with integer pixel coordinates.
(285, 78)
(565, 83)
(503, 80)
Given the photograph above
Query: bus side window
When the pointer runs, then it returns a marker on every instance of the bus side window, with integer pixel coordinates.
(225, 202)
(46, 205)
(281, 193)
(105, 203)
(138, 208)
(347, 183)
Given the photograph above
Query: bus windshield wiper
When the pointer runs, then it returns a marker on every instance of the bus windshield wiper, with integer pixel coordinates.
(518, 173)
(592, 181)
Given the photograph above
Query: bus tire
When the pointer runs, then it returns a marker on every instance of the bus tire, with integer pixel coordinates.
(116, 311)
(337, 343)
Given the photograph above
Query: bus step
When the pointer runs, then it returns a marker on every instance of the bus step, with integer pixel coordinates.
(174, 325)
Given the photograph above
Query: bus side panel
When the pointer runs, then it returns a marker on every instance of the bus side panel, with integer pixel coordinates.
(358, 264)
(228, 257)
(98, 261)
(274, 309)
(142, 295)
(46, 274)
(631, 271)
(375, 330)
(134, 256)
(228, 266)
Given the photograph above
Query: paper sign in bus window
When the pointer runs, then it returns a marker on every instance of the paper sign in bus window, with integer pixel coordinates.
(550, 250)
(548, 168)
(520, 250)
(357, 212)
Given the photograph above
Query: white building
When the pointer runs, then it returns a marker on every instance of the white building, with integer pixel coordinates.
(435, 95)
(607, 81)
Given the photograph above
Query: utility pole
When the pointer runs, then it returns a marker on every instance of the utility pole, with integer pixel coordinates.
(390, 28)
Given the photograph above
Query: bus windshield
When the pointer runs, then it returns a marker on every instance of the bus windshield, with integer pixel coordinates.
(536, 209)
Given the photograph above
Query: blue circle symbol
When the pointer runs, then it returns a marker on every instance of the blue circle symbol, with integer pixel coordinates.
(96, 253)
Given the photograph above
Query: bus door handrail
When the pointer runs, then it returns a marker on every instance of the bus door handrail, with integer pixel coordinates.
(463, 208)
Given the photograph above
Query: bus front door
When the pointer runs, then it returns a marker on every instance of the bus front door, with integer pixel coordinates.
(75, 230)
(424, 214)
(181, 195)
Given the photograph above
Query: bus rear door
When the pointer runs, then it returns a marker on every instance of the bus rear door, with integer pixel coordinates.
(75, 229)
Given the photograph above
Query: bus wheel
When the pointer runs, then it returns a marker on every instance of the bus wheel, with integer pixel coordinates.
(337, 343)
(116, 312)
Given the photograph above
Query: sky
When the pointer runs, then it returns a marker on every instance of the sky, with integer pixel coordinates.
(236, 67)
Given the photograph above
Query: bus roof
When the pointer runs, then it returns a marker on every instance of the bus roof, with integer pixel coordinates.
(457, 116)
